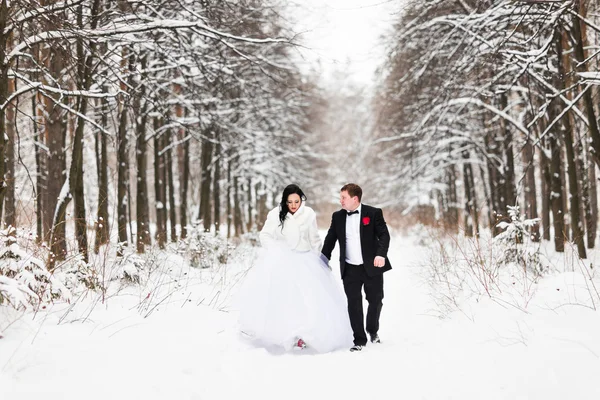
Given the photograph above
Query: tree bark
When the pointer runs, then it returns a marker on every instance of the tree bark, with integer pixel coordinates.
(38, 168)
(142, 204)
(217, 182)
(184, 180)
(451, 219)
(576, 224)
(471, 221)
(55, 125)
(122, 174)
(531, 211)
(250, 221)
(229, 208)
(102, 226)
(558, 215)
(159, 185)
(75, 183)
(592, 207)
(581, 66)
(4, 89)
(10, 211)
(582, 155)
(574, 191)
(486, 195)
(102, 234)
(237, 209)
(496, 181)
(546, 184)
(206, 159)
(592, 220)
(261, 199)
(168, 138)
(509, 165)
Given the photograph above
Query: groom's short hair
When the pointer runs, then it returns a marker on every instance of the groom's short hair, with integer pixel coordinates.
(353, 190)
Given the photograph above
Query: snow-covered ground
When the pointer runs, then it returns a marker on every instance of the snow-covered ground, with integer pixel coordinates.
(175, 338)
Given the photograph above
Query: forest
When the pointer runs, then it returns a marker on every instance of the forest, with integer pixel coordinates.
(492, 105)
(127, 126)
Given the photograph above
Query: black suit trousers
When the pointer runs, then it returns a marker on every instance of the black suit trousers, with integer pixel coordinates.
(355, 278)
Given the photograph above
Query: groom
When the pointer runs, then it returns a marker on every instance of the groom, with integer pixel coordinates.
(364, 240)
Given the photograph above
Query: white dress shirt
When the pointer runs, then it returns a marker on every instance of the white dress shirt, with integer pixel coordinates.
(353, 245)
(299, 231)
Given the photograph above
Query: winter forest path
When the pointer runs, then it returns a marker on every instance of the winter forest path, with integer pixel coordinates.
(195, 353)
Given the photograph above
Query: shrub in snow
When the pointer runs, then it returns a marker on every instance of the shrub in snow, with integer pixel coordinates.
(130, 267)
(251, 238)
(24, 279)
(14, 293)
(79, 273)
(514, 245)
(205, 249)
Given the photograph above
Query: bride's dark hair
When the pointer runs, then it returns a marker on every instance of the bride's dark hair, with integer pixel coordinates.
(283, 209)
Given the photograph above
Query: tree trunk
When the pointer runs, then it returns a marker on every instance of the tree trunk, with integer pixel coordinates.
(206, 159)
(582, 155)
(592, 219)
(184, 182)
(496, 181)
(10, 211)
(592, 208)
(581, 67)
(568, 133)
(509, 166)
(486, 195)
(530, 190)
(102, 226)
(237, 209)
(557, 198)
(217, 182)
(250, 221)
(159, 185)
(142, 204)
(546, 189)
(451, 218)
(168, 138)
(229, 211)
(55, 164)
(75, 183)
(38, 168)
(55, 130)
(122, 175)
(470, 218)
(576, 224)
(565, 196)
(261, 199)
(4, 93)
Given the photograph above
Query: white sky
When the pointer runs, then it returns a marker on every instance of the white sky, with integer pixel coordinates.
(344, 34)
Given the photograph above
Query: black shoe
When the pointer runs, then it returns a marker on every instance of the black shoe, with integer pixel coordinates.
(375, 338)
(356, 347)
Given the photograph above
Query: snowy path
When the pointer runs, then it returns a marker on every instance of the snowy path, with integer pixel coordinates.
(194, 353)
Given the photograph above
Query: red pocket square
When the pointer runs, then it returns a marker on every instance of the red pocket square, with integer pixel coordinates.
(366, 220)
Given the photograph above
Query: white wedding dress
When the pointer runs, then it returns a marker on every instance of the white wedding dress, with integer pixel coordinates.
(290, 293)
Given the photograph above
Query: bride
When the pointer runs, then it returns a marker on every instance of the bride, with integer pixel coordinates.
(290, 298)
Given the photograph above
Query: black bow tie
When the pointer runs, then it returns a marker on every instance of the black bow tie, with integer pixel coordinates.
(352, 212)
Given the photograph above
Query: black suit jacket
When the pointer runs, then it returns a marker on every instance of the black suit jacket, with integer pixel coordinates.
(374, 239)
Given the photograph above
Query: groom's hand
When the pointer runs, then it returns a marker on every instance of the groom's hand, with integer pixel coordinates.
(325, 261)
(379, 261)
